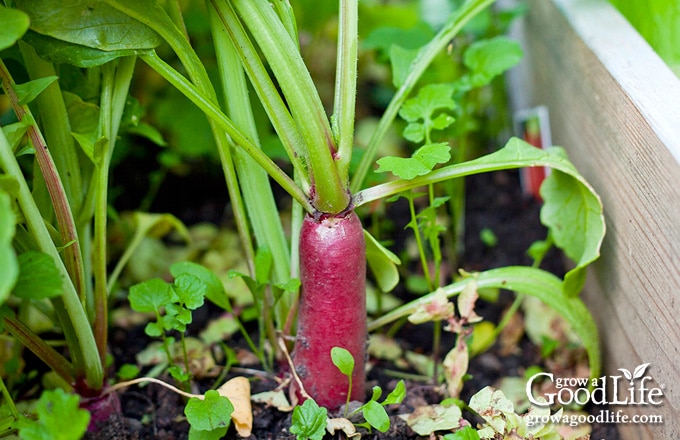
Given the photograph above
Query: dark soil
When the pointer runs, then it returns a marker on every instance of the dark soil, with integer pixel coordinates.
(494, 201)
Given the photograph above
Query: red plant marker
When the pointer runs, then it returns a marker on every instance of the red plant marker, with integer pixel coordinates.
(332, 307)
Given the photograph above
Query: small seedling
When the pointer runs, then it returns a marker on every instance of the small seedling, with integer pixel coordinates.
(209, 418)
(172, 304)
(488, 237)
(309, 421)
(58, 418)
(374, 412)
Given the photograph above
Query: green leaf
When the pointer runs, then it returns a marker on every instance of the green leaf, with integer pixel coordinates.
(215, 289)
(150, 295)
(414, 132)
(27, 92)
(13, 24)
(84, 118)
(263, 265)
(9, 266)
(39, 277)
(420, 163)
(574, 216)
(215, 434)
(383, 38)
(190, 289)
(59, 418)
(402, 60)
(212, 412)
(376, 416)
(87, 23)
(377, 392)
(177, 317)
(584, 215)
(15, 133)
(309, 421)
(489, 58)
(343, 359)
(382, 262)
(467, 433)
(62, 52)
(429, 99)
(397, 395)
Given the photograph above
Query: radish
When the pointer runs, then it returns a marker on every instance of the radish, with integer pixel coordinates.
(332, 306)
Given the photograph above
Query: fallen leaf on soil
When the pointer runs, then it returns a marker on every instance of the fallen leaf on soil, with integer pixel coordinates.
(467, 301)
(543, 321)
(237, 390)
(511, 335)
(456, 366)
(439, 309)
(515, 389)
(383, 347)
(344, 425)
(427, 419)
(277, 399)
(219, 329)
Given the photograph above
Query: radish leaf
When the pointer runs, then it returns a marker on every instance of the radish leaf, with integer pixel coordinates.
(13, 24)
(27, 92)
(382, 262)
(91, 24)
(39, 277)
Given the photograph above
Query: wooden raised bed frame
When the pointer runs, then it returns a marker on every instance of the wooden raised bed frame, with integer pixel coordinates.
(615, 106)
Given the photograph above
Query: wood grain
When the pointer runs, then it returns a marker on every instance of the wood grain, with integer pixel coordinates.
(615, 106)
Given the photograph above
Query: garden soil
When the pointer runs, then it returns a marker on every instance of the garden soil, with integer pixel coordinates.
(495, 202)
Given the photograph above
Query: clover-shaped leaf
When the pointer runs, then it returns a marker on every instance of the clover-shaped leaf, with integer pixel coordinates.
(421, 162)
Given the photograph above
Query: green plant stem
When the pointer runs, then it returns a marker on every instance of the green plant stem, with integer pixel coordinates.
(427, 53)
(256, 189)
(287, 16)
(329, 191)
(56, 127)
(8, 399)
(345, 85)
(67, 227)
(40, 348)
(266, 90)
(116, 78)
(70, 310)
(161, 23)
(419, 241)
(214, 113)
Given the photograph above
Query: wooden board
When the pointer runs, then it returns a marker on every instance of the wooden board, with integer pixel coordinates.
(615, 106)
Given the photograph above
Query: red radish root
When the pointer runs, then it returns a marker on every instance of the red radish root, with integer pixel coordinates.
(332, 309)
